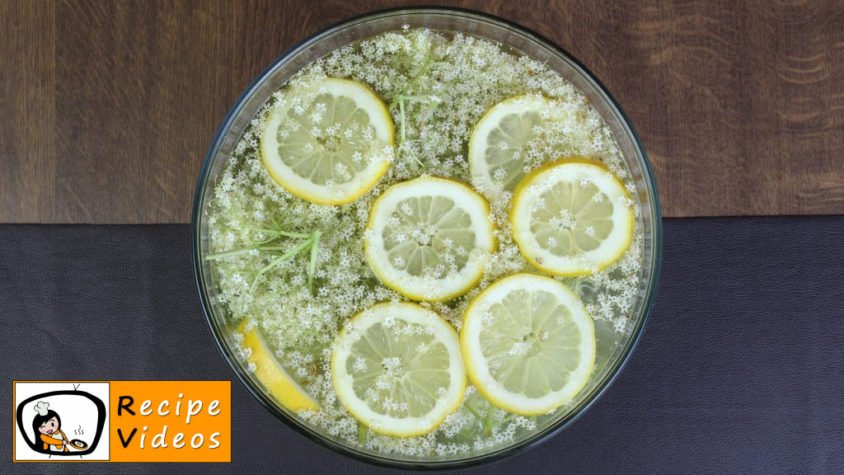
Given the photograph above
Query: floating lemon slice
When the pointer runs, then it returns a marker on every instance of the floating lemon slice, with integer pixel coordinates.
(572, 217)
(328, 143)
(429, 238)
(396, 368)
(528, 344)
(272, 375)
(499, 141)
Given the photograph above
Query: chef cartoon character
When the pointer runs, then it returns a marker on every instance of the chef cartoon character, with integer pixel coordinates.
(47, 426)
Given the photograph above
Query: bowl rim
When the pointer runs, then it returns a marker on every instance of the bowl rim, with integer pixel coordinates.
(506, 452)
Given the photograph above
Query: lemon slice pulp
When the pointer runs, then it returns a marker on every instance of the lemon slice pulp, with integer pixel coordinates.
(528, 344)
(571, 217)
(498, 145)
(272, 375)
(328, 142)
(429, 238)
(396, 368)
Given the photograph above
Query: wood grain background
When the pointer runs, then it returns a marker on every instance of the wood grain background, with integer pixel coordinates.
(107, 107)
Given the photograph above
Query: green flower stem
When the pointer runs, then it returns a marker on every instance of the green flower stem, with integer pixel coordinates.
(314, 256)
(403, 98)
(472, 411)
(362, 433)
(278, 232)
(232, 253)
(489, 422)
(486, 422)
(404, 145)
(286, 256)
(403, 120)
(240, 252)
(295, 250)
(310, 243)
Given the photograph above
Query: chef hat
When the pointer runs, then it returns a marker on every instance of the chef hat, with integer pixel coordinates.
(41, 407)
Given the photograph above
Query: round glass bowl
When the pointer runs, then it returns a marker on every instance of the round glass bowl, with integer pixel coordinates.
(614, 348)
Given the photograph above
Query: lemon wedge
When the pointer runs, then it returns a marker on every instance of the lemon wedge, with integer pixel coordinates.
(272, 375)
(528, 344)
(328, 143)
(571, 217)
(396, 368)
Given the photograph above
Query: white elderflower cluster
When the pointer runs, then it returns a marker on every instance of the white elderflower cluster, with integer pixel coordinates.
(436, 86)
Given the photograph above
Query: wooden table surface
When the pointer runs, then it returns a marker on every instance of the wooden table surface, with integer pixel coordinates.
(108, 107)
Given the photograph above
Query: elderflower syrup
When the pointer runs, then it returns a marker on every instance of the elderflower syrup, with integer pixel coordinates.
(297, 271)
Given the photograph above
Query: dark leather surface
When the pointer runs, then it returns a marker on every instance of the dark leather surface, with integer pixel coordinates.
(740, 369)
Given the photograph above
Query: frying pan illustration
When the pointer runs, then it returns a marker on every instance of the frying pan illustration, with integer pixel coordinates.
(78, 444)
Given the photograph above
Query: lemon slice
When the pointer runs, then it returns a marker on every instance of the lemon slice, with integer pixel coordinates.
(328, 143)
(272, 375)
(396, 368)
(571, 217)
(429, 238)
(499, 141)
(528, 344)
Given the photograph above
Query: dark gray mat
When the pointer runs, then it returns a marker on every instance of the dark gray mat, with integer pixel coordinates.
(739, 370)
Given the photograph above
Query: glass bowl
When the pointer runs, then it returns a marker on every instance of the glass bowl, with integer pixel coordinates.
(614, 348)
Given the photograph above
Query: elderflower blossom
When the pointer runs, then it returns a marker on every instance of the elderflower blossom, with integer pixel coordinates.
(453, 80)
